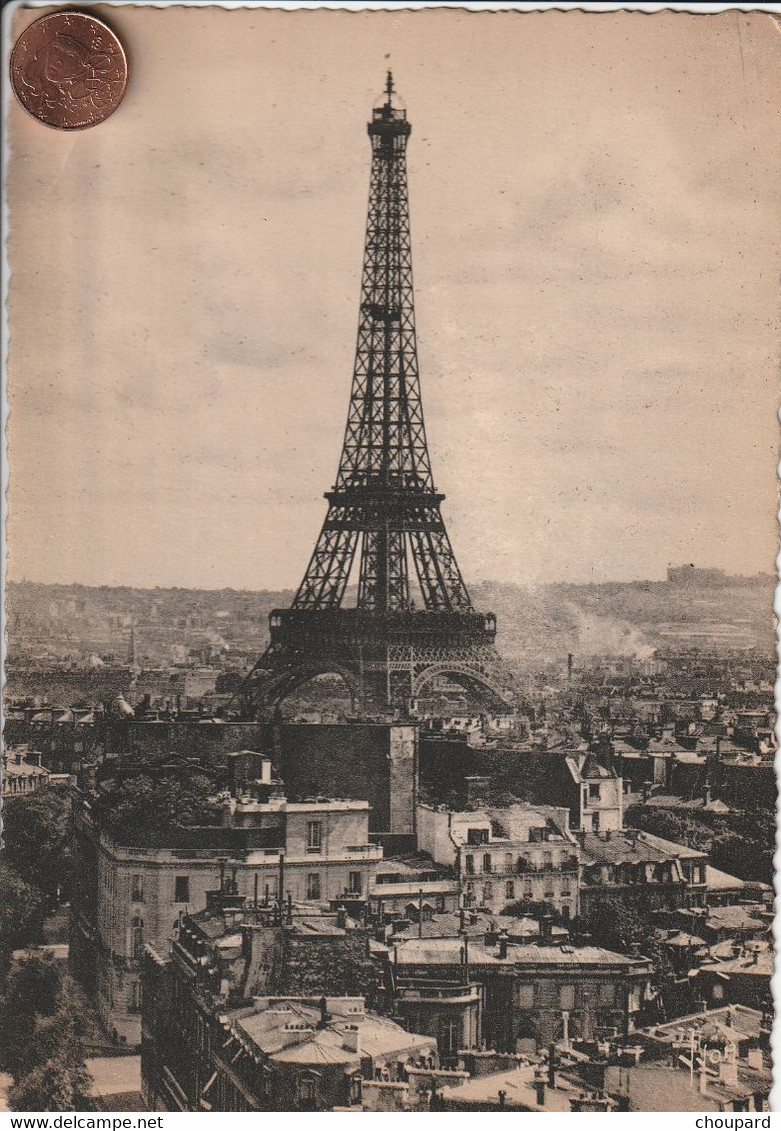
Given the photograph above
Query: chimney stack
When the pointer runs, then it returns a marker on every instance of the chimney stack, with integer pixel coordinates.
(502, 940)
(351, 1040)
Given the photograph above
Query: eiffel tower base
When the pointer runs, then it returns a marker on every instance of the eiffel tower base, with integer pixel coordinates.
(387, 660)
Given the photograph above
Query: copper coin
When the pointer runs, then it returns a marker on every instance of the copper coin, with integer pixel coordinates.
(69, 70)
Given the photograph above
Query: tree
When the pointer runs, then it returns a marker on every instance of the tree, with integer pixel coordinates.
(36, 835)
(42, 1021)
(60, 1084)
(615, 926)
(146, 803)
(21, 913)
(741, 843)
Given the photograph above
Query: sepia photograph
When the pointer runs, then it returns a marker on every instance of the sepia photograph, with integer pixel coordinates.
(390, 559)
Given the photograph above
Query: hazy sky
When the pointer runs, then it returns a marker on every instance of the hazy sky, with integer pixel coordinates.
(594, 220)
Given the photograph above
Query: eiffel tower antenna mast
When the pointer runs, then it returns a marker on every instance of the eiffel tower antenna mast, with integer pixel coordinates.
(413, 618)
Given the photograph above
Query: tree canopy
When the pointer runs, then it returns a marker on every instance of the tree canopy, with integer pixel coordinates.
(42, 1018)
(741, 843)
(36, 836)
(150, 803)
(21, 913)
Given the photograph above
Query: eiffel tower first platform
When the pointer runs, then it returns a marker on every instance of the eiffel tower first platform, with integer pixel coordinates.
(384, 519)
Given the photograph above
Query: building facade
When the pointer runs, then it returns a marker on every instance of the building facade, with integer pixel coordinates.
(132, 891)
(519, 853)
(641, 870)
(22, 772)
(530, 996)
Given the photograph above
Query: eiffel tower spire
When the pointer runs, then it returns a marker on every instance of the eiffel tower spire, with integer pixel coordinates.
(413, 618)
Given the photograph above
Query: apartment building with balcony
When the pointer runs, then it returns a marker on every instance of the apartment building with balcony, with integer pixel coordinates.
(517, 854)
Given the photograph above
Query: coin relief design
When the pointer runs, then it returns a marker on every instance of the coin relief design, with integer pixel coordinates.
(69, 70)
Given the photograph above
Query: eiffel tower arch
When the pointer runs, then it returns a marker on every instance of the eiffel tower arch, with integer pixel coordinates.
(413, 619)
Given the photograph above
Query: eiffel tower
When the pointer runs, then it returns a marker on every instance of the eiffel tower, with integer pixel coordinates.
(405, 629)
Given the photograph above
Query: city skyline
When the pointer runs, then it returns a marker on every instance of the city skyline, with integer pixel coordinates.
(594, 307)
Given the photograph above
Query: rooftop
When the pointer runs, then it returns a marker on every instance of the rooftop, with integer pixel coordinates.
(517, 1084)
(634, 848)
(737, 916)
(448, 925)
(757, 964)
(587, 767)
(740, 1018)
(291, 1030)
(448, 951)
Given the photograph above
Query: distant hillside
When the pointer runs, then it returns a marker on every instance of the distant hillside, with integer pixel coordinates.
(67, 620)
(536, 625)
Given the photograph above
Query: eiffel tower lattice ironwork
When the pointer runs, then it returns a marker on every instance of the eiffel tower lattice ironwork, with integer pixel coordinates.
(413, 619)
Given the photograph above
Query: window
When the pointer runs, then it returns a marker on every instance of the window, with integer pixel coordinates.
(477, 836)
(313, 885)
(487, 862)
(469, 862)
(314, 836)
(182, 889)
(567, 996)
(135, 997)
(440, 903)
(593, 792)
(137, 889)
(307, 1089)
(355, 883)
(508, 861)
(509, 890)
(547, 859)
(607, 994)
(528, 893)
(488, 893)
(449, 1037)
(526, 996)
(137, 937)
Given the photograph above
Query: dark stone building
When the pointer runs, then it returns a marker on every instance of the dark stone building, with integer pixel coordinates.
(374, 762)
